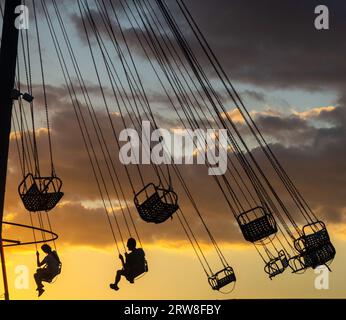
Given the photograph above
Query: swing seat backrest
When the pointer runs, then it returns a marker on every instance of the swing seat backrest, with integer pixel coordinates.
(40, 193)
(256, 224)
(156, 204)
(222, 278)
(31, 199)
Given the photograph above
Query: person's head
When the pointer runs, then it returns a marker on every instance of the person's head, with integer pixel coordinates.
(46, 248)
(131, 244)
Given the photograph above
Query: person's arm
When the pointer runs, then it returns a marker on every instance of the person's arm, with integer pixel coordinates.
(40, 264)
(122, 260)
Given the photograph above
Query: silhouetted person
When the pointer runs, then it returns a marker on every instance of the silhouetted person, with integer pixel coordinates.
(134, 265)
(48, 268)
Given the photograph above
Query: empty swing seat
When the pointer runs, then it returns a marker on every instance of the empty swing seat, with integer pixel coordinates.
(155, 204)
(314, 236)
(257, 224)
(297, 263)
(222, 278)
(277, 265)
(319, 256)
(40, 193)
(313, 258)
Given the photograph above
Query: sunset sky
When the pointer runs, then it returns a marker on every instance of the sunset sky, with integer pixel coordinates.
(292, 79)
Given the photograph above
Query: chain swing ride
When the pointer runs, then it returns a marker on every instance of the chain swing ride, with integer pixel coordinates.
(257, 223)
(265, 217)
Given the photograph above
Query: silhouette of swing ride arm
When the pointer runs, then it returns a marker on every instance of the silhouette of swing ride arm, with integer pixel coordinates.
(10, 241)
(13, 243)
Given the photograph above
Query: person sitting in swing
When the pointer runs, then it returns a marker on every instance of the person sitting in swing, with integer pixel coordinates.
(133, 266)
(48, 268)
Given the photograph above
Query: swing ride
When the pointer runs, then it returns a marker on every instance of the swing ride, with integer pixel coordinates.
(155, 204)
(265, 218)
(256, 227)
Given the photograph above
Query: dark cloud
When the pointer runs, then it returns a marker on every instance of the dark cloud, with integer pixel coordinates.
(255, 95)
(286, 130)
(266, 43)
(275, 43)
(125, 29)
(314, 157)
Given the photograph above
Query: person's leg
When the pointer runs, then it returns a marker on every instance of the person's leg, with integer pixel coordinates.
(117, 279)
(118, 276)
(130, 277)
(38, 278)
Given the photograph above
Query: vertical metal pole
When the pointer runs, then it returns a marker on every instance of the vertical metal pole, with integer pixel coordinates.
(4, 274)
(8, 58)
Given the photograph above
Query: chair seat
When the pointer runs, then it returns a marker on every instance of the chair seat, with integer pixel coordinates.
(50, 278)
(138, 272)
(256, 224)
(40, 193)
(297, 263)
(319, 256)
(315, 235)
(313, 258)
(51, 199)
(222, 278)
(158, 206)
(277, 265)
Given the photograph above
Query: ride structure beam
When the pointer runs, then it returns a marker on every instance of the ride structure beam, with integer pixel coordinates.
(10, 241)
(8, 58)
